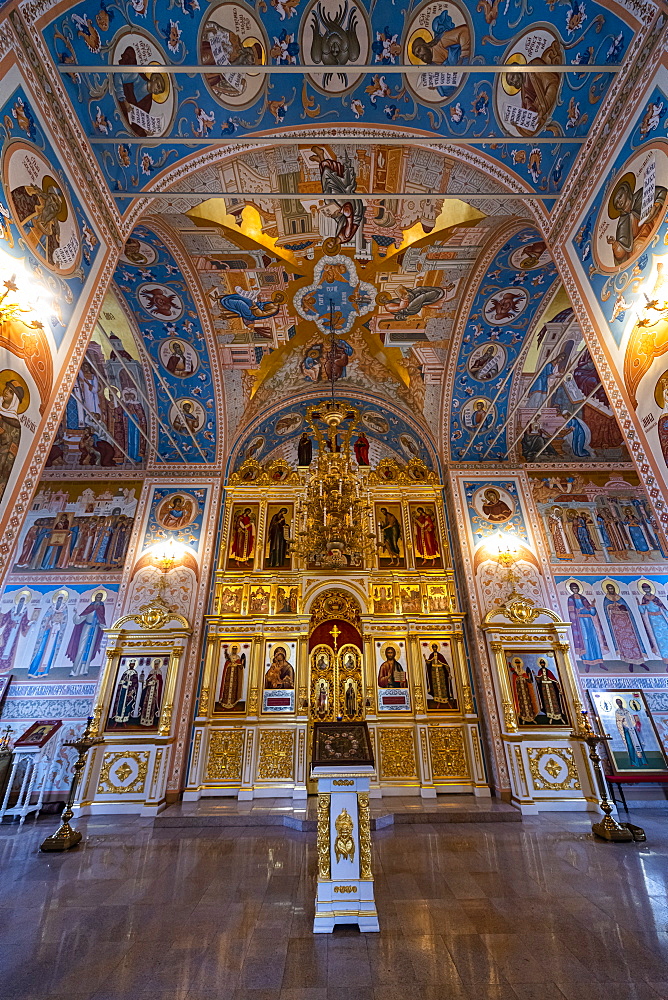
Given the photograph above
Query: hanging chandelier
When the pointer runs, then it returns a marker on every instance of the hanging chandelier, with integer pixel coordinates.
(333, 525)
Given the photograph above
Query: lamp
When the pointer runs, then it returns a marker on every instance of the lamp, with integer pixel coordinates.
(165, 555)
(505, 548)
(19, 288)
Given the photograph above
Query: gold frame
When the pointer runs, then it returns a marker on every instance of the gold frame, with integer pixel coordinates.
(152, 635)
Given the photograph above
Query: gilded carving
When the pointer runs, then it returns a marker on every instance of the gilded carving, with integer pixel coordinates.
(364, 825)
(165, 721)
(419, 699)
(509, 716)
(344, 845)
(276, 757)
(448, 755)
(252, 701)
(324, 860)
(116, 770)
(397, 753)
(226, 748)
(520, 768)
(467, 699)
(156, 771)
(204, 701)
(553, 769)
(196, 749)
(335, 604)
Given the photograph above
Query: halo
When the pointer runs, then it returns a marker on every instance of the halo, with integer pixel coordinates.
(50, 182)
(519, 59)
(630, 178)
(615, 585)
(572, 579)
(159, 98)
(250, 41)
(424, 33)
(660, 389)
(650, 584)
(100, 590)
(8, 375)
(615, 696)
(65, 594)
(22, 593)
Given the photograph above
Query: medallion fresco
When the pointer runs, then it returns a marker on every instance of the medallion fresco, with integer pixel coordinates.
(438, 37)
(504, 307)
(176, 513)
(169, 325)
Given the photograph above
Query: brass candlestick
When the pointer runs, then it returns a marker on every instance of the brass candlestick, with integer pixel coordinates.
(66, 836)
(608, 828)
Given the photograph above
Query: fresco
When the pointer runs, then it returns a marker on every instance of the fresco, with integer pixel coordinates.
(106, 420)
(494, 506)
(510, 295)
(176, 513)
(171, 334)
(561, 411)
(74, 527)
(279, 436)
(44, 227)
(442, 37)
(597, 518)
(619, 623)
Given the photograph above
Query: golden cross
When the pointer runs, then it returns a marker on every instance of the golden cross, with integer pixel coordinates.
(335, 632)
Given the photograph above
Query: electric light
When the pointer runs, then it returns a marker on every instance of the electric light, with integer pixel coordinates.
(23, 295)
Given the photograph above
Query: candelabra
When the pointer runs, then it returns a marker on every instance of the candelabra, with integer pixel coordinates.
(608, 828)
(66, 836)
(333, 527)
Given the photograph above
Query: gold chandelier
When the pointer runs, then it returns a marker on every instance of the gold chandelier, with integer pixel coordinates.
(333, 526)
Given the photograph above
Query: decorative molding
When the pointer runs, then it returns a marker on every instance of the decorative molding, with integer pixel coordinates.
(553, 769)
(276, 755)
(119, 777)
(223, 763)
(397, 753)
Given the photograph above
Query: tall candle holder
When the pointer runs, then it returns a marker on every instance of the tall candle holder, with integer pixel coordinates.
(66, 836)
(608, 828)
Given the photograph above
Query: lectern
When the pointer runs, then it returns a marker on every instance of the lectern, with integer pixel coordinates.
(342, 762)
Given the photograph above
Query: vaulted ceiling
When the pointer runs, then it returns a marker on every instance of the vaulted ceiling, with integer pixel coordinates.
(308, 165)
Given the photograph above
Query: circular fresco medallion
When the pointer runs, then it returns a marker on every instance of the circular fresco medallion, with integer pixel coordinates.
(254, 449)
(487, 361)
(337, 36)
(633, 209)
(145, 99)
(524, 102)
(138, 252)
(494, 504)
(232, 37)
(41, 208)
(375, 422)
(187, 416)
(288, 423)
(530, 255)
(160, 301)
(438, 36)
(409, 445)
(179, 357)
(177, 511)
(505, 306)
(477, 412)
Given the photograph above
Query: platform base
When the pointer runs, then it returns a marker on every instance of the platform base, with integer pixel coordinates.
(324, 923)
(63, 839)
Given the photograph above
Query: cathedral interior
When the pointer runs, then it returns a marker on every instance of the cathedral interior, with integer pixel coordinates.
(334, 392)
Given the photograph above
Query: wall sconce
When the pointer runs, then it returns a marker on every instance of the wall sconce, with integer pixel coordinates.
(165, 555)
(20, 288)
(505, 548)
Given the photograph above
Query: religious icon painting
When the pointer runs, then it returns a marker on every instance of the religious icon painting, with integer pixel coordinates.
(232, 676)
(177, 511)
(277, 536)
(138, 694)
(231, 36)
(505, 306)
(279, 677)
(635, 747)
(537, 691)
(146, 101)
(487, 361)
(493, 503)
(187, 417)
(392, 676)
(160, 301)
(286, 600)
(230, 600)
(440, 680)
(38, 734)
(383, 599)
(178, 357)
(321, 705)
(411, 599)
(426, 540)
(337, 37)
(243, 536)
(390, 532)
(438, 36)
(523, 105)
(438, 598)
(258, 600)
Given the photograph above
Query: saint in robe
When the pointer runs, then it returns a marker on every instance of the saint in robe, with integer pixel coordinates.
(280, 675)
(588, 637)
(426, 540)
(13, 624)
(232, 682)
(524, 694)
(125, 700)
(439, 681)
(49, 638)
(243, 537)
(623, 627)
(629, 729)
(278, 540)
(655, 618)
(151, 698)
(361, 448)
(304, 450)
(550, 695)
(391, 673)
(86, 639)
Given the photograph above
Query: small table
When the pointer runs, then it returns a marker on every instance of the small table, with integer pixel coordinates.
(632, 779)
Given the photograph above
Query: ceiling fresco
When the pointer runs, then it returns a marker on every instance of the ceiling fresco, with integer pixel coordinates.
(435, 37)
(325, 256)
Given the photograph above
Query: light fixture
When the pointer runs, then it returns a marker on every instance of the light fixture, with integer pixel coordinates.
(333, 516)
(505, 548)
(165, 555)
(21, 288)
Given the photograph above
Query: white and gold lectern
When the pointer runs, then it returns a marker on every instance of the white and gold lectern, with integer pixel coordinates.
(342, 762)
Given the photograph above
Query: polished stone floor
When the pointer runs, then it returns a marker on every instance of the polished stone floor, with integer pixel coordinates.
(507, 911)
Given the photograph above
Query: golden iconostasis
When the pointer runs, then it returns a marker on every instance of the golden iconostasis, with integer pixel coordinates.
(290, 641)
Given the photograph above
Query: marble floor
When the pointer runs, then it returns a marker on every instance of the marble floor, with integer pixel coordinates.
(536, 910)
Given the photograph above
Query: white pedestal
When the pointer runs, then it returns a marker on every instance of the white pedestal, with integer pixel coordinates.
(345, 883)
